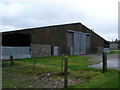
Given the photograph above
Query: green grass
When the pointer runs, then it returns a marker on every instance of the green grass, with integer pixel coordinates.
(106, 80)
(114, 49)
(77, 67)
(113, 52)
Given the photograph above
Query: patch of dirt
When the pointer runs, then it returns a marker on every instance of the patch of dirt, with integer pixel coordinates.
(81, 77)
(45, 80)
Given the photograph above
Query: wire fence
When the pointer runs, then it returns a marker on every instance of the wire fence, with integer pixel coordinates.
(34, 79)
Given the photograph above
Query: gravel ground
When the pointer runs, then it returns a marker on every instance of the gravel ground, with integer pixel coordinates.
(112, 61)
(45, 80)
(97, 58)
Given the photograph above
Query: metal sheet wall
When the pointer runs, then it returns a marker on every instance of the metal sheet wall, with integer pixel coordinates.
(16, 52)
(83, 44)
(79, 43)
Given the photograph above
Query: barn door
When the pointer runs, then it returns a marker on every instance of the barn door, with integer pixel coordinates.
(83, 44)
(77, 41)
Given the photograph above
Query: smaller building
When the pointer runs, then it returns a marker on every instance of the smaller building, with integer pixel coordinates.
(115, 44)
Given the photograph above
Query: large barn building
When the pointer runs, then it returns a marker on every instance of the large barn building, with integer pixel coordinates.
(71, 39)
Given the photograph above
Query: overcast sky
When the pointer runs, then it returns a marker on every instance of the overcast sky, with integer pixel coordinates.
(99, 15)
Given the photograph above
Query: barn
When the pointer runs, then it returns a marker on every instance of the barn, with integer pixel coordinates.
(70, 39)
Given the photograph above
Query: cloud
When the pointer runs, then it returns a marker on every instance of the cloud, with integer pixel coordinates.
(7, 27)
(110, 35)
(101, 16)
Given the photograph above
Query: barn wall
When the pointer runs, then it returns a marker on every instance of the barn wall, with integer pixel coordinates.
(16, 52)
(56, 36)
(96, 42)
(70, 42)
(51, 36)
(88, 43)
(39, 50)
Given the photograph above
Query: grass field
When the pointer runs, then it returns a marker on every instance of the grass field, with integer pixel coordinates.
(47, 74)
(114, 52)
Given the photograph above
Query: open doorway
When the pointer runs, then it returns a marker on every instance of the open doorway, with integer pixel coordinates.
(16, 45)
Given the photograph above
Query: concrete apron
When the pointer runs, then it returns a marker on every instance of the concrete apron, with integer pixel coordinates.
(111, 64)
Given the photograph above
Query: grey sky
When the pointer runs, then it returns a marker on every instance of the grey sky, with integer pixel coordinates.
(99, 15)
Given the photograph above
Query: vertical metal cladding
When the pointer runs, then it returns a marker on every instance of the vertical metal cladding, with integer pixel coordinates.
(79, 43)
(16, 52)
(83, 44)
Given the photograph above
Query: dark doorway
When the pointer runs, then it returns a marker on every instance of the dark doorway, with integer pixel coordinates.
(16, 39)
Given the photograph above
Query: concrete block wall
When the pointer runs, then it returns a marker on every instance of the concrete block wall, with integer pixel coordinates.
(40, 50)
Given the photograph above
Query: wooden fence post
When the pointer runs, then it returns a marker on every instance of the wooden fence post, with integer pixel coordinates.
(66, 72)
(11, 60)
(62, 63)
(34, 64)
(104, 62)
